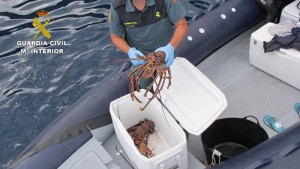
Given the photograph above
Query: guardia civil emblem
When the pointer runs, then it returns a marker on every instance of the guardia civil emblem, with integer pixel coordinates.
(37, 23)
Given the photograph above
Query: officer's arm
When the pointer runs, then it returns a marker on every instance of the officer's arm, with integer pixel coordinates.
(117, 31)
(181, 30)
(120, 43)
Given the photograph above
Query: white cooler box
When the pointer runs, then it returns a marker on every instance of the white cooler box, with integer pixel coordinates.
(283, 64)
(291, 12)
(192, 99)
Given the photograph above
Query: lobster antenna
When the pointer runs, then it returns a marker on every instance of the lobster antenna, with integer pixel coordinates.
(162, 107)
(119, 61)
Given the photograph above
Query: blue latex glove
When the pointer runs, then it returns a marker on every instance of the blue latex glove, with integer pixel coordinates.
(133, 54)
(169, 51)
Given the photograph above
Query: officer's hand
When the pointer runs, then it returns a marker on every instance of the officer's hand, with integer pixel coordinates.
(134, 54)
(169, 51)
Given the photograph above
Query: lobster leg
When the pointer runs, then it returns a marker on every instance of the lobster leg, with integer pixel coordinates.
(159, 88)
(164, 76)
(170, 76)
(133, 85)
(132, 80)
(150, 86)
(138, 77)
(154, 95)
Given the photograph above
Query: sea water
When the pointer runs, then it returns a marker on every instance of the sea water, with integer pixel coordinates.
(41, 77)
(44, 69)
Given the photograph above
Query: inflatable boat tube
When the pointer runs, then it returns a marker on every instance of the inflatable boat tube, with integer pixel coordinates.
(214, 28)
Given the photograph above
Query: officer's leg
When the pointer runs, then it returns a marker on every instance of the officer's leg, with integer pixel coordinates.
(144, 83)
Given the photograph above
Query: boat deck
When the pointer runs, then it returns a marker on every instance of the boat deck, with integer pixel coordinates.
(249, 91)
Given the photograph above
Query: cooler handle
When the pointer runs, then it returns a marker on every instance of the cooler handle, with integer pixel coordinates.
(257, 122)
(284, 55)
(177, 159)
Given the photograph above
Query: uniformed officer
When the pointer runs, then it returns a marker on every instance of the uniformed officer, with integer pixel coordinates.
(138, 27)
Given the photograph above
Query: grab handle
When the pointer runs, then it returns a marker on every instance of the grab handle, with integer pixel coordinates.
(259, 163)
(257, 122)
(210, 8)
(289, 149)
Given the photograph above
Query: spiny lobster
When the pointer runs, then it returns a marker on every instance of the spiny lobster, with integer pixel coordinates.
(140, 134)
(154, 67)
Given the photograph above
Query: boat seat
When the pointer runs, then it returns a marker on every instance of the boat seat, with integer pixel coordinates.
(90, 155)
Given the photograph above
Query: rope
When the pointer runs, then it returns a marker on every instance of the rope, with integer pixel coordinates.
(213, 160)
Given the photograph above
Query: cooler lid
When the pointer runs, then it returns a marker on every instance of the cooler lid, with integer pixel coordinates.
(292, 9)
(192, 98)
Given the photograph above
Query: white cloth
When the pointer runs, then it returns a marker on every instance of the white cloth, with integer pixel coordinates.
(282, 29)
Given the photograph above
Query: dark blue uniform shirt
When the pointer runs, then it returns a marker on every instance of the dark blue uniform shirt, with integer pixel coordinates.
(149, 29)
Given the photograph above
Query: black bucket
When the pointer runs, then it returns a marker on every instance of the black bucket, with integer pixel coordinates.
(229, 137)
